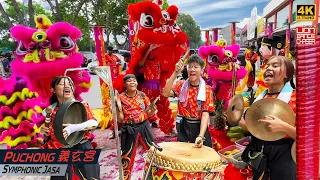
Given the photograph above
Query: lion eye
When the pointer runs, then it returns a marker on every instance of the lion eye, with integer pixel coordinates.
(146, 20)
(165, 15)
(66, 43)
(213, 59)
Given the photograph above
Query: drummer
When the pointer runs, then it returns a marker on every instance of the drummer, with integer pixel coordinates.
(195, 102)
(62, 89)
(272, 159)
(134, 108)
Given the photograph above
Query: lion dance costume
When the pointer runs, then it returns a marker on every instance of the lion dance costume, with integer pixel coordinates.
(154, 26)
(42, 54)
(219, 67)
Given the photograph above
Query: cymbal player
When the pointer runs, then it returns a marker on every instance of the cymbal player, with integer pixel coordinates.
(62, 88)
(272, 159)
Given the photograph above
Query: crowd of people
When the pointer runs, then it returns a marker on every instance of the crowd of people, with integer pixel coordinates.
(5, 60)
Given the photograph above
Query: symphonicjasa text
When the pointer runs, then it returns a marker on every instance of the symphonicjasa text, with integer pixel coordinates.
(7, 169)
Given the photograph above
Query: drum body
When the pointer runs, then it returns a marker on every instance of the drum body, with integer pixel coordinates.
(180, 161)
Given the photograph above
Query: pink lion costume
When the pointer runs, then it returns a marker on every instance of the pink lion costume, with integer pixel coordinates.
(219, 59)
(42, 54)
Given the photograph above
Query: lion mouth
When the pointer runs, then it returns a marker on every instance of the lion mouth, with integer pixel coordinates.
(43, 55)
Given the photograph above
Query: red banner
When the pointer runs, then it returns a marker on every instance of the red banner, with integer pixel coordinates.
(233, 33)
(207, 39)
(106, 115)
(131, 33)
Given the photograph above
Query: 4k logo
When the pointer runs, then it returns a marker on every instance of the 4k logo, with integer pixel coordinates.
(306, 12)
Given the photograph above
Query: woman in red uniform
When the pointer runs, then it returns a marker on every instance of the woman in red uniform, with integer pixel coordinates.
(272, 159)
(62, 89)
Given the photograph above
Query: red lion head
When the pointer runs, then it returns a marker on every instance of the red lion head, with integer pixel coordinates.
(152, 25)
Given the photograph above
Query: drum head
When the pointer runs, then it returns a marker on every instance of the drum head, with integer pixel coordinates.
(183, 157)
(71, 112)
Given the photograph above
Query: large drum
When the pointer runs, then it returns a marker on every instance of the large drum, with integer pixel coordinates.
(180, 161)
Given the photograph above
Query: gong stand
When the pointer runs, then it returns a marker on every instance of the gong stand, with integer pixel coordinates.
(105, 74)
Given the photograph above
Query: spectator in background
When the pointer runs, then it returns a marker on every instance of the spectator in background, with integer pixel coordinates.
(8, 55)
(127, 59)
(114, 62)
(4, 65)
(85, 62)
(111, 58)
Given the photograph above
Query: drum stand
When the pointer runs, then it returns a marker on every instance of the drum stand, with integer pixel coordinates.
(156, 147)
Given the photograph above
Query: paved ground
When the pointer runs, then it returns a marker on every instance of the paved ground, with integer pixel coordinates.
(93, 97)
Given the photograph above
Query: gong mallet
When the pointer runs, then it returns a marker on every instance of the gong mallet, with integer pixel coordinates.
(47, 120)
(156, 147)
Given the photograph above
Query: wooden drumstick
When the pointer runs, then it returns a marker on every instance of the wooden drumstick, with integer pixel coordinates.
(183, 58)
(47, 120)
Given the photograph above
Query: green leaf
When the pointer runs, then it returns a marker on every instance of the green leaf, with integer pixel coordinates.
(189, 26)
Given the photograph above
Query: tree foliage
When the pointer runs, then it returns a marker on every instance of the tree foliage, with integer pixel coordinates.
(189, 26)
(84, 14)
(165, 5)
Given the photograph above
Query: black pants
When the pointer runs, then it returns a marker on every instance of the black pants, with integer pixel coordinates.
(280, 165)
(189, 130)
(131, 136)
(82, 171)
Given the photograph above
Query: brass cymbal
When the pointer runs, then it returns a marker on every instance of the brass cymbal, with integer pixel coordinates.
(235, 110)
(265, 107)
(294, 152)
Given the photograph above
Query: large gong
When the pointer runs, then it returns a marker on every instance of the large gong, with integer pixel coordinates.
(71, 112)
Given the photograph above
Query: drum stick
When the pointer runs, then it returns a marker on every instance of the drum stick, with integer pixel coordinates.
(157, 146)
(184, 57)
(198, 142)
(47, 123)
(153, 103)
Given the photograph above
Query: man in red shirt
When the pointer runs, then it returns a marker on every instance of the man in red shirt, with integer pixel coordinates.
(111, 58)
(134, 108)
(114, 62)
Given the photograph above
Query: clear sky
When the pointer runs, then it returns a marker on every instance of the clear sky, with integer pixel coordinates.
(217, 13)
